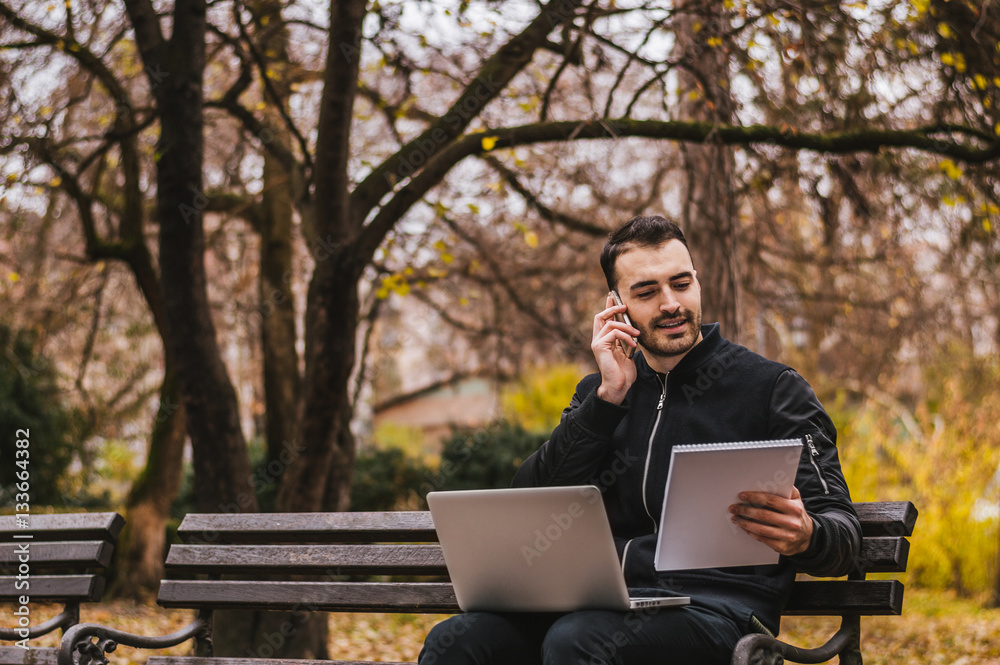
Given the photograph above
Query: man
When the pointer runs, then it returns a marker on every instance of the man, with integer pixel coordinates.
(687, 384)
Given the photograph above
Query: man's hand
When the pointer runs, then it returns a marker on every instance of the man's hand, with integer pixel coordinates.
(617, 372)
(781, 524)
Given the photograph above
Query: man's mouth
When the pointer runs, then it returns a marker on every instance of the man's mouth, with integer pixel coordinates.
(672, 325)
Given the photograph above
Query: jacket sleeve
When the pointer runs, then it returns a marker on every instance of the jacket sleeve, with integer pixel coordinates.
(836, 542)
(575, 451)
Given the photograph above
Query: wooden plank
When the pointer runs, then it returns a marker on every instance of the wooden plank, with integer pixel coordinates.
(411, 597)
(68, 526)
(883, 555)
(887, 518)
(32, 656)
(54, 588)
(361, 527)
(869, 597)
(60, 555)
(337, 559)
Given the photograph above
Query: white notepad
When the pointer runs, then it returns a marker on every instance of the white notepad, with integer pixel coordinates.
(696, 528)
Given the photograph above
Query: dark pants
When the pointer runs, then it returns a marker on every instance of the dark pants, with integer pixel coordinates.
(695, 635)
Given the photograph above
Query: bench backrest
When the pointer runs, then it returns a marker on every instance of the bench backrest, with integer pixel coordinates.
(340, 551)
(61, 557)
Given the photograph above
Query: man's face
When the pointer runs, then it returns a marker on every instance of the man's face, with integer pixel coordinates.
(664, 299)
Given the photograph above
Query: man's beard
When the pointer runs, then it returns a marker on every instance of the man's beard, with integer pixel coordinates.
(657, 342)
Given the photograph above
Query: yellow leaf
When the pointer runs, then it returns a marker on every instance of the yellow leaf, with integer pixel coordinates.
(697, 27)
(55, 182)
(264, 20)
(382, 293)
(463, 301)
(713, 41)
(447, 258)
(947, 59)
(531, 239)
(14, 277)
(440, 246)
(944, 30)
(987, 226)
(489, 142)
(950, 169)
(980, 82)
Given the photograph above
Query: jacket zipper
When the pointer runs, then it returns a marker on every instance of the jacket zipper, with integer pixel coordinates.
(649, 447)
(649, 454)
(813, 454)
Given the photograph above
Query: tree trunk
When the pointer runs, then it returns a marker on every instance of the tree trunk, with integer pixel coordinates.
(277, 301)
(176, 71)
(333, 308)
(142, 547)
(709, 216)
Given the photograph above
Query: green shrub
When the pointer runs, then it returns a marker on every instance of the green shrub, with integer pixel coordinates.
(31, 409)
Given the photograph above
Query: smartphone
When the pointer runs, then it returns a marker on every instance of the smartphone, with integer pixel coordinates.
(629, 351)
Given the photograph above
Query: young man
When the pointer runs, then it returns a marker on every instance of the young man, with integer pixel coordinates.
(686, 384)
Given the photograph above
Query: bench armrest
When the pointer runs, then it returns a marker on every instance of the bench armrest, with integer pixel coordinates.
(79, 640)
(766, 650)
(69, 616)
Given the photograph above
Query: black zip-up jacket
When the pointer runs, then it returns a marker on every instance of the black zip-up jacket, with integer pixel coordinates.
(719, 392)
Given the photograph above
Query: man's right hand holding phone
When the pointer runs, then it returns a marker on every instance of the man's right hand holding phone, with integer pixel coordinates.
(612, 333)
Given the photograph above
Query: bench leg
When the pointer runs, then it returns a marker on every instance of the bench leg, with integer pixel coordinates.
(766, 650)
(851, 653)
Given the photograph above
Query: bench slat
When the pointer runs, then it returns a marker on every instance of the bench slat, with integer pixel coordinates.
(878, 555)
(887, 518)
(57, 555)
(869, 597)
(361, 527)
(32, 656)
(884, 555)
(891, 518)
(78, 526)
(54, 588)
(304, 559)
(420, 597)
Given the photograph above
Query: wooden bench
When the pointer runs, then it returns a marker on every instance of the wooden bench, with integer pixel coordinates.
(244, 557)
(50, 559)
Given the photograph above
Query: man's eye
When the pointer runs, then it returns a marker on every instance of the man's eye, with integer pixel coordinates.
(645, 294)
(680, 286)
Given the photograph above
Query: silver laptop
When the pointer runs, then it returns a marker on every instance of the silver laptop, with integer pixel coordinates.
(539, 549)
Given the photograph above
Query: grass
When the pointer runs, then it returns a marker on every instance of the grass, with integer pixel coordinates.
(936, 627)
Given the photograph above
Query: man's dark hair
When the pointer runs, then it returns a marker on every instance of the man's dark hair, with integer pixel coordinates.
(639, 231)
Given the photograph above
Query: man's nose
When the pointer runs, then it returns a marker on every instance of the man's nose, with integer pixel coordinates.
(668, 300)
